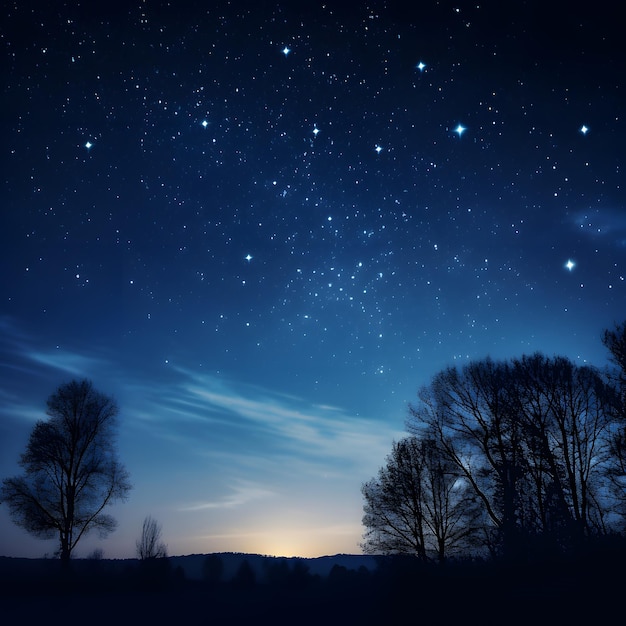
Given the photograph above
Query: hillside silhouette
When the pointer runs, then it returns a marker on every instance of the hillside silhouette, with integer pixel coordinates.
(238, 588)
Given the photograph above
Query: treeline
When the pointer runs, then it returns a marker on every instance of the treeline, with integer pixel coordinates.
(95, 574)
(517, 459)
(276, 590)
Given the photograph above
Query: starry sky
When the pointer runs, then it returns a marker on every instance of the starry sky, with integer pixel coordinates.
(262, 227)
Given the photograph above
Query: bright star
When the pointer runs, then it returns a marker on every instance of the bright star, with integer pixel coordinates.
(205, 123)
(459, 130)
(316, 130)
(248, 258)
(88, 145)
(286, 50)
(378, 149)
(570, 265)
(584, 130)
(421, 66)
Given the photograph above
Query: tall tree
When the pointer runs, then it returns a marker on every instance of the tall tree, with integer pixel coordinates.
(468, 412)
(71, 470)
(451, 508)
(567, 419)
(531, 436)
(416, 505)
(615, 341)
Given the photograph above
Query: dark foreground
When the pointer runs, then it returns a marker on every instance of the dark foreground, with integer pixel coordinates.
(584, 592)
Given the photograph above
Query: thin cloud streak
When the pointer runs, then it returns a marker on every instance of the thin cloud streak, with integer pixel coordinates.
(309, 429)
(70, 362)
(290, 423)
(242, 494)
(293, 429)
(25, 412)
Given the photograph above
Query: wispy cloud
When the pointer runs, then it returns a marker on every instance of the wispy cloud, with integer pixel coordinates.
(26, 412)
(27, 367)
(18, 352)
(245, 430)
(191, 402)
(65, 361)
(308, 429)
(601, 222)
(242, 493)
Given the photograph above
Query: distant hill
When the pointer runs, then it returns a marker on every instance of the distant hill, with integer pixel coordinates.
(12, 568)
(321, 566)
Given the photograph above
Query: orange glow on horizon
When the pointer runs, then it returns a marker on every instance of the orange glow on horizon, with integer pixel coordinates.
(283, 542)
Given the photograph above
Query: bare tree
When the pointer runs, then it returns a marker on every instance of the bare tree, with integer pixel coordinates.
(566, 412)
(417, 504)
(615, 341)
(149, 545)
(467, 412)
(394, 516)
(451, 508)
(532, 438)
(71, 469)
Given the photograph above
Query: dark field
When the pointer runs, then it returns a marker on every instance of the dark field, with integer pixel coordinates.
(119, 593)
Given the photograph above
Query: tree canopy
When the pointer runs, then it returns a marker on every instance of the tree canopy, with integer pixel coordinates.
(418, 504)
(528, 455)
(71, 471)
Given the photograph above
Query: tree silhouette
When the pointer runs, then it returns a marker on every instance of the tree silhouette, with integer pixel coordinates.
(71, 471)
(467, 414)
(418, 504)
(149, 545)
(532, 437)
(615, 341)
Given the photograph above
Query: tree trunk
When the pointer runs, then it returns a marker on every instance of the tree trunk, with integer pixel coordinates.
(65, 552)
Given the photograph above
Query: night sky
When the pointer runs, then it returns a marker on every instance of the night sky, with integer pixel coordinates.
(262, 227)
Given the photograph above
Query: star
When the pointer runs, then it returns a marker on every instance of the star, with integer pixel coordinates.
(570, 265)
(378, 149)
(421, 66)
(286, 50)
(248, 257)
(88, 145)
(205, 123)
(459, 130)
(316, 130)
(584, 130)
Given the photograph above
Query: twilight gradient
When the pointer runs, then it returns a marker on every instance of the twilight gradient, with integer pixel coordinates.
(263, 228)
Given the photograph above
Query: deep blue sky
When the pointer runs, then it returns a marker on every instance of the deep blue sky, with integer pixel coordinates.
(263, 229)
